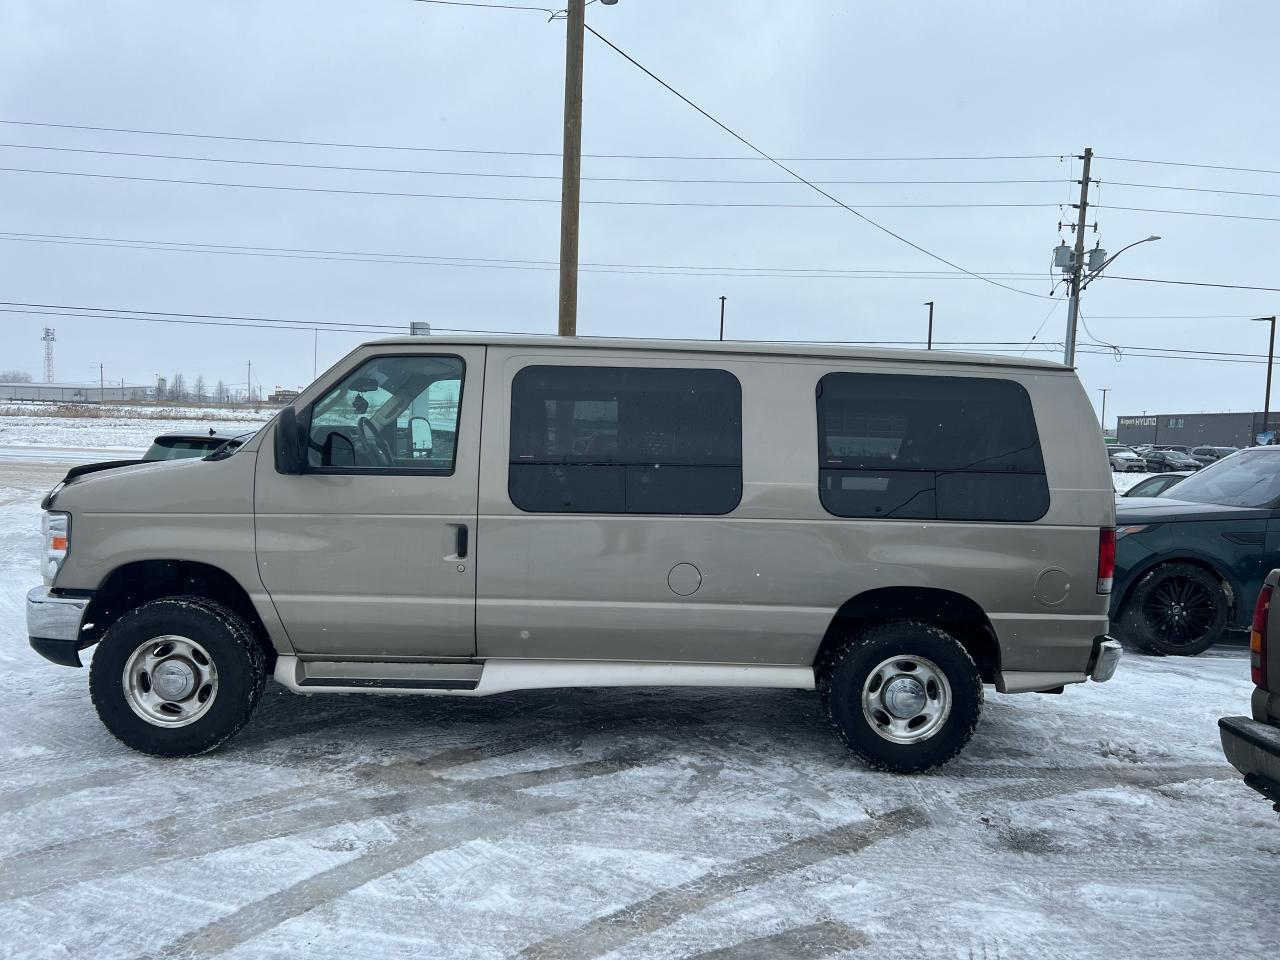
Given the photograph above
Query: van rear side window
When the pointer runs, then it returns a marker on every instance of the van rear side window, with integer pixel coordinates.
(625, 440)
(929, 448)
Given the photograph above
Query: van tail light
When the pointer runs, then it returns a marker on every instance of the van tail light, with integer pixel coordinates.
(1106, 558)
(1258, 636)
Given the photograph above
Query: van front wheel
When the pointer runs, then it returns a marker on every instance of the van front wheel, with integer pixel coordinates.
(178, 676)
(903, 696)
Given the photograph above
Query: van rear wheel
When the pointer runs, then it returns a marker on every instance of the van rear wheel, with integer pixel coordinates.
(903, 696)
(177, 677)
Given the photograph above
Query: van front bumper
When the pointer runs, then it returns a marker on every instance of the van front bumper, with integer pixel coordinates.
(53, 625)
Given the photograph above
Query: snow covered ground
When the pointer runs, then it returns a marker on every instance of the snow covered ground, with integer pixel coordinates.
(123, 432)
(1102, 823)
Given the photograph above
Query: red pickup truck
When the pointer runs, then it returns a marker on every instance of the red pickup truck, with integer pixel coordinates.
(1252, 744)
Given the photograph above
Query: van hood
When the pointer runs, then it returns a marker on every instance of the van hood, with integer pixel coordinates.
(160, 486)
(1132, 510)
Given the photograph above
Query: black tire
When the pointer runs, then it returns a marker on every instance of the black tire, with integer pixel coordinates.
(1177, 609)
(845, 670)
(233, 649)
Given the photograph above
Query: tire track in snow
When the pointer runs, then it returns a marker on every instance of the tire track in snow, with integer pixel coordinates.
(809, 942)
(266, 816)
(243, 925)
(614, 930)
(259, 916)
(180, 837)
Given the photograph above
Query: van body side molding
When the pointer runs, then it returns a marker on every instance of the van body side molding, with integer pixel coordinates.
(503, 676)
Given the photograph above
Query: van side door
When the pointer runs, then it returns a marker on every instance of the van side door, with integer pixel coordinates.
(370, 552)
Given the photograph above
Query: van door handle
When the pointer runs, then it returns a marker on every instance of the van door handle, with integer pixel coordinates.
(460, 550)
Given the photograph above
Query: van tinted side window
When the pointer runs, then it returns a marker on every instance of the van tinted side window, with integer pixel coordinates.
(929, 448)
(625, 440)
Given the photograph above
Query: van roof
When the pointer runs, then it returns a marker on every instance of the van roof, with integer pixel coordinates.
(753, 347)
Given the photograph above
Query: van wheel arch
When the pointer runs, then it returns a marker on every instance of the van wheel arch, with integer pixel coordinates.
(129, 586)
(959, 615)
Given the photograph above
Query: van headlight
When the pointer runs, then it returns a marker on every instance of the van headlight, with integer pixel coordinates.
(56, 528)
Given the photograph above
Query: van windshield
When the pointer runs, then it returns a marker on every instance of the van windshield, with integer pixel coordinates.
(1247, 479)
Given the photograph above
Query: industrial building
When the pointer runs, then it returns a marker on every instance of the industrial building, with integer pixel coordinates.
(1196, 429)
(75, 392)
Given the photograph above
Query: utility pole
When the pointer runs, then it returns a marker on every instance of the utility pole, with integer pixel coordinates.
(722, 300)
(102, 385)
(1077, 263)
(1103, 419)
(249, 385)
(1271, 357)
(571, 183)
(930, 306)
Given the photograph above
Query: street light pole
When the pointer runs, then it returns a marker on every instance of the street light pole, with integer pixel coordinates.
(1078, 278)
(1271, 357)
(571, 182)
(930, 341)
(722, 300)
(1103, 419)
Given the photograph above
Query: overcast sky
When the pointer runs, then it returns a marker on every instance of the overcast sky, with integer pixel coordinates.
(1175, 81)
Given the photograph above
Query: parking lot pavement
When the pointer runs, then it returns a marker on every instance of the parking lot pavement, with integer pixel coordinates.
(624, 823)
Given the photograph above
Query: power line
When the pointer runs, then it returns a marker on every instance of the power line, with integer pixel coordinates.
(303, 253)
(1188, 213)
(511, 176)
(266, 323)
(504, 153)
(1162, 186)
(455, 196)
(1182, 163)
(737, 136)
(488, 6)
(1053, 309)
(214, 320)
(1172, 316)
(1191, 283)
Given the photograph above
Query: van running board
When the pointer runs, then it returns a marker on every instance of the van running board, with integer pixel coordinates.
(501, 676)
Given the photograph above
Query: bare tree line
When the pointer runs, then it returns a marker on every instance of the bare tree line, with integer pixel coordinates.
(176, 388)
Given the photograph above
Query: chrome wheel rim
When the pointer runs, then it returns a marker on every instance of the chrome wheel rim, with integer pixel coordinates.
(906, 699)
(170, 681)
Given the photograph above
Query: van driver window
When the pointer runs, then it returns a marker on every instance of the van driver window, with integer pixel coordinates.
(392, 414)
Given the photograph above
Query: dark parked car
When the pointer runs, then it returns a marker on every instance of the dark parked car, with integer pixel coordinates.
(1186, 562)
(1252, 744)
(1158, 485)
(1169, 461)
(1208, 455)
(181, 446)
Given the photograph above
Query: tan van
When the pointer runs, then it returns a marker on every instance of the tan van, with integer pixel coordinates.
(469, 517)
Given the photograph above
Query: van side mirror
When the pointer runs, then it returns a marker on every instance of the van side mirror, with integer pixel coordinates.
(291, 450)
(421, 440)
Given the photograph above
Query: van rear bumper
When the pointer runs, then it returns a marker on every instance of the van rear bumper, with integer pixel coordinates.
(53, 625)
(1101, 667)
(1106, 657)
